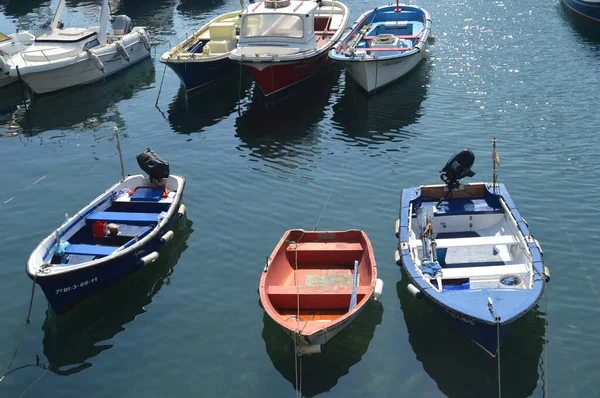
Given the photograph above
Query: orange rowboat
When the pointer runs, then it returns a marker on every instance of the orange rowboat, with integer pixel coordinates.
(315, 283)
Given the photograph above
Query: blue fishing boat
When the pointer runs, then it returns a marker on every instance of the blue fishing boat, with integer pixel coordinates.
(116, 234)
(384, 44)
(204, 56)
(468, 251)
(587, 8)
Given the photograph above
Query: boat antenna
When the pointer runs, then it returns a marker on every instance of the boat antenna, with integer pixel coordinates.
(495, 162)
(120, 154)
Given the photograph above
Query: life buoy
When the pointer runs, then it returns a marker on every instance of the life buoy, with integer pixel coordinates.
(122, 51)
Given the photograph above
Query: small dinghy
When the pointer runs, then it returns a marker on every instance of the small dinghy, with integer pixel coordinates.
(384, 44)
(116, 234)
(204, 56)
(315, 284)
(468, 251)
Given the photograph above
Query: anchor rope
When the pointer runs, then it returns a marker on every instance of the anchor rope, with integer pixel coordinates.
(27, 323)
(161, 84)
(497, 317)
(297, 358)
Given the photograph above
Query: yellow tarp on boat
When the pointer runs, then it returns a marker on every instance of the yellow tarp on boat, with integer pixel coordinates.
(3, 37)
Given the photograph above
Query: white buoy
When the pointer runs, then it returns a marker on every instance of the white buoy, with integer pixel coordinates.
(412, 289)
(397, 228)
(150, 258)
(310, 349)
(122, 51)
(96, 60)
(145, 39)
(167, 237)
(181, 211)
(426, 54)
(378, 289)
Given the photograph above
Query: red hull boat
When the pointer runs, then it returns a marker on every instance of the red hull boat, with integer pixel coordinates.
(316, 283)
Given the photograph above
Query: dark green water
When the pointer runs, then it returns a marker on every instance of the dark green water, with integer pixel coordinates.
(191, 324)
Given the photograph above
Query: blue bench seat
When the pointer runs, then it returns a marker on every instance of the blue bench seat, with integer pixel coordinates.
(90, 250)
(124, 217)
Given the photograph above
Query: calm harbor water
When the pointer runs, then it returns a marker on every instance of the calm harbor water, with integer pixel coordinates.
(326, 156)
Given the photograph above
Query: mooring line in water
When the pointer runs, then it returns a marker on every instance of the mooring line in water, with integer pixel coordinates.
(32, 384)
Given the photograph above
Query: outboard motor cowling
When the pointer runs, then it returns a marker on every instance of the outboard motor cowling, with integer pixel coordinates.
(458, 167)
(156, 167)
(121, 25)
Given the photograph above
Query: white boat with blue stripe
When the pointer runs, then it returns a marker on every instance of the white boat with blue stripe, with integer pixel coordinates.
(467, 250)
(116, 234)
(384, 44)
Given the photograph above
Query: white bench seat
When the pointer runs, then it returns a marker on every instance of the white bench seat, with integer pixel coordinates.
(464, 242)
(484, 272)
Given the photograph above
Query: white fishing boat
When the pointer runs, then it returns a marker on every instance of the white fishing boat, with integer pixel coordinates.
(11, 45)
(64, 57)
(385, 44)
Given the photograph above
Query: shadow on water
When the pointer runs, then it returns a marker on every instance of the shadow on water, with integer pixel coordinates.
(274, 129)
(321, 372)
(96, 103)
(19, 8)
(72, 339)
(380, 117)
(587, 29)
(156, 15)
(206, 106)
(458, 366)
(196, 9)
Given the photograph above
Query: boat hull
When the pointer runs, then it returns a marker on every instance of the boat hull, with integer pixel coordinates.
(374, 74)
(194, 75)
(273, 78)
(6, 80)
(85, 71)
(588, 9)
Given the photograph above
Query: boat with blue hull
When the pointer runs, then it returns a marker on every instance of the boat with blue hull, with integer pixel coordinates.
(469, 252)
(204, 56)
(587, 8)
(116, 234)
(384, 44)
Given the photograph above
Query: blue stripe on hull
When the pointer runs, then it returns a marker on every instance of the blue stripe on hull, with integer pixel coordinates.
(196, 74)
(68, 289)
(590, 10)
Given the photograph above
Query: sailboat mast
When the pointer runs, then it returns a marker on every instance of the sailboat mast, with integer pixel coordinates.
(103, 22)
(57, 14)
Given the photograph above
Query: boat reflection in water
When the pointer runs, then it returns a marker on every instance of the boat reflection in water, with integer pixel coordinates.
(380, 117)
(70, 340)
(96, 103)
(320, 373)
(288, 126)
(459, 367)
(196, 111)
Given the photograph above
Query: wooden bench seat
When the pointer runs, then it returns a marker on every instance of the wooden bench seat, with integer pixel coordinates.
(90, 250)
(484, 272)
(314, 296)
(125, 217)
(325, 253)
(476, 241)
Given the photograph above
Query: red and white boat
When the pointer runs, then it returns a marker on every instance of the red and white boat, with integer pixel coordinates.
(284, 42)
(315, 284)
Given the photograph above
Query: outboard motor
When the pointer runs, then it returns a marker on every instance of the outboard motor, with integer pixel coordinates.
(156, 167)
(458, 167)
(121, 25)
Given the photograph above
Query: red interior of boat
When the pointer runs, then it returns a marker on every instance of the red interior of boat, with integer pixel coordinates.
(317, 273)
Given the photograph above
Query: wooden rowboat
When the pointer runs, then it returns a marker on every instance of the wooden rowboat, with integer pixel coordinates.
(315, 284)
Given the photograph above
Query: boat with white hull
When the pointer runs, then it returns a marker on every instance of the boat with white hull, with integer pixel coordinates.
(61, 58)
(11, 45)
(384, 44)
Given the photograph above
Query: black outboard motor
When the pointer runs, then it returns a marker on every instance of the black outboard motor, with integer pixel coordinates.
(458, 167)
(156, 167)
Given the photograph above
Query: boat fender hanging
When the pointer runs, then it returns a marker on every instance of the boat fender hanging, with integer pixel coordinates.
(431, 40)
(412, 289)
(96, 60)
(122, 51)
(310, 349)
(426, 54)
(167, 237)
(145, 39)
(181, 211)
(149, 258)
(397, 258)
(547, 273)
(378, 289)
